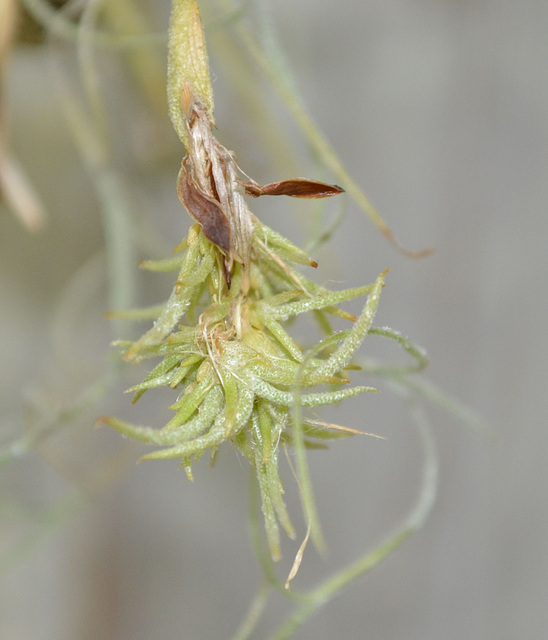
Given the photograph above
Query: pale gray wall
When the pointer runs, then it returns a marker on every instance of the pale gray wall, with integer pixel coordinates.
(440, 111)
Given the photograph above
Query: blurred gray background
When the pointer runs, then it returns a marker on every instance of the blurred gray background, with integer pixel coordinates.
(439, 110)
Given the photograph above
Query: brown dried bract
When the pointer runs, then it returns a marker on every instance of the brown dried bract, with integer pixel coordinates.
(207, 212)
(295, 187)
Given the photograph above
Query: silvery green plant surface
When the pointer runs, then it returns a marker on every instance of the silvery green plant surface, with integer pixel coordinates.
(222, 339)
(222, 336)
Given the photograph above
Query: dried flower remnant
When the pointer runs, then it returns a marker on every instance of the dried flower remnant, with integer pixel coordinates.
(297, 188)
(236, 368)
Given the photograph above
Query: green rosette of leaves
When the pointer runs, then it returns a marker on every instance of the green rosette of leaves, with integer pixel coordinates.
(221, 339)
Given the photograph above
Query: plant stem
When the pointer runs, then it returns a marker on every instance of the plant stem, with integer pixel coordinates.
(256, 608)
(414, 521)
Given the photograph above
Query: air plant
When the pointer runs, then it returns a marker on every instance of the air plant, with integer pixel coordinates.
(221, 341)
(222, 336)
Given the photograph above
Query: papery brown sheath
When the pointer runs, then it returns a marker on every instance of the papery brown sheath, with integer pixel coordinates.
(205, 210)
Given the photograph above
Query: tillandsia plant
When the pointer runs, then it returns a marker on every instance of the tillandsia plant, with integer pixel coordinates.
(221, 342)
(221, 337)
